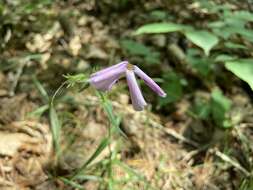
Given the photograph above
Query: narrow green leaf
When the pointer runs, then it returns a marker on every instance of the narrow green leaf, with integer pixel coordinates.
(41, 89)
(72, 183)
(159, 28)
(203, 39)
(55, 128)
(39, 111)
(242, 69)
(89, 177)
(114, 120)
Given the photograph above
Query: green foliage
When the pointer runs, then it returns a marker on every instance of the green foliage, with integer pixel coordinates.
(225, 31)
(242, 69)
(247, 184)
(173, 87)
(114, 120)
(158, 15)
(55, 128)
(203, 39)
(41, 89)
(220, 105)
(35, 5)
(215, 109)
(232, 45)
(71, 183)
(201, 109)
(39, 111)
(159, 28)
(202, 64)
(77, 79)
(138, 49)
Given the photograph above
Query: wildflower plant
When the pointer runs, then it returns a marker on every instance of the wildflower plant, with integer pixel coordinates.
(103, 81)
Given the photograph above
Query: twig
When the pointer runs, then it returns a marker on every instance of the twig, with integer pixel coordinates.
(189, 155)
(180, 137)
(17, 77)
(226, 158)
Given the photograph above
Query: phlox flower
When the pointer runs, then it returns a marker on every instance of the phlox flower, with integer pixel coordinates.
(104, 80)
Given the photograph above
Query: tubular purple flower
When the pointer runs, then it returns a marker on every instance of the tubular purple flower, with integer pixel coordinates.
(136, 96)
(149, 81)
(104, 79)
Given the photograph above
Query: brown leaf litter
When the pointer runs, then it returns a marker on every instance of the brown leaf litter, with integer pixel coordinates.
(25, 146)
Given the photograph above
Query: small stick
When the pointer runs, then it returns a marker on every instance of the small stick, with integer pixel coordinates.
(232, 162)
(181, 137)
(17, 77)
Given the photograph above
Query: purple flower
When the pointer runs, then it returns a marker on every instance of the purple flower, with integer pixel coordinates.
(103, 80)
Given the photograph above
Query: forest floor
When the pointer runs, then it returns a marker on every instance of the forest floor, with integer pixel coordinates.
(161, 151)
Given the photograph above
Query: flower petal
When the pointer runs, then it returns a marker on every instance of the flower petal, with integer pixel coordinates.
(103, 80)
(149, 81)
(105, 85)
(108, 69)
(108, 73)
(136, 96)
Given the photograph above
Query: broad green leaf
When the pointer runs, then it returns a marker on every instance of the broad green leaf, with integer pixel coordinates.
(159, 28)
(224, 58)
(247, 34)
(242, 69)
(227, 31)
(244, 15)
(216, 24)
(232, 45)
(234, 22)
(203, 39)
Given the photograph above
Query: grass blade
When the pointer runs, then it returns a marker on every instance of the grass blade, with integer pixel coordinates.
(39, 111)
(41, 89)
(114, 120)
(72, 183)
(55, 128)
